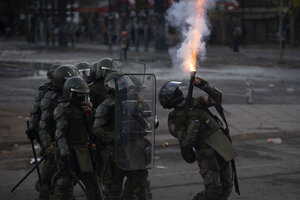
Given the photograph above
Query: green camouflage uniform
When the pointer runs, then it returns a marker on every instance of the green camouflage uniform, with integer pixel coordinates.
(35, 113)
(47, 136)
(137, 180)
(213, 149)
(35, 117)
(73, 143)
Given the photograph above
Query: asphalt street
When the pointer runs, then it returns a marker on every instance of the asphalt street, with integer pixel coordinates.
(266, 171)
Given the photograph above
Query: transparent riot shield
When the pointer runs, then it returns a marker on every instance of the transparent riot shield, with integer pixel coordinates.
(134, 121)
(128, 66)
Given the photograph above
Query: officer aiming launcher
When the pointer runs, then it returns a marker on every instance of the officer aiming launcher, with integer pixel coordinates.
(219, 108)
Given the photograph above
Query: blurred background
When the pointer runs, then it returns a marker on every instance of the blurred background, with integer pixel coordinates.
(253, 57)
(67, 22)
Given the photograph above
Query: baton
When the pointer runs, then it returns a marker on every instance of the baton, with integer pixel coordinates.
(15, 187)
(34, 155)
(79, 183)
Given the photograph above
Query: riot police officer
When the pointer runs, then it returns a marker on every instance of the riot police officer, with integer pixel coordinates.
(47, 124)
(35, 113)
(35, 116)
(128, 154)
(99, 70)
(73, 121)
(84, 69)
(201, 137)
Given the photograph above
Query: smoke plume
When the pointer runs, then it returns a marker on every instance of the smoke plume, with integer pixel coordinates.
(190, 17)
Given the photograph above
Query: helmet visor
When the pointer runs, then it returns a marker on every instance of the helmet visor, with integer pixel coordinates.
(170, 88)
(84, 73)
(83, 91)
(124, 82)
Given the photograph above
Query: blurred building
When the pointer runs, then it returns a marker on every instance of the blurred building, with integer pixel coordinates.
(59, 22)
(259, 20)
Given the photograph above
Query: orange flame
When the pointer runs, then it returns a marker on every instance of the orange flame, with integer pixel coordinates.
(193, 62)
(195, 36)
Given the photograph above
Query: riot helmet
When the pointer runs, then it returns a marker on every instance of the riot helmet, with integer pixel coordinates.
(101, 68)
(62, 73)
(83, 69)
(76, 90)
(51, 70)
(119, 81)
(170, 94)
(137, 82)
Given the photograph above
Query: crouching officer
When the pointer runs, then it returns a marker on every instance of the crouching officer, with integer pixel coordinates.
(125, 124)
(73, 117)
(47, 124)
(201, 137)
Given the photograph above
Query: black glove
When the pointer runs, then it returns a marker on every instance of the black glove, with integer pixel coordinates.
(65, 161)
(31, 134)
(201, 84)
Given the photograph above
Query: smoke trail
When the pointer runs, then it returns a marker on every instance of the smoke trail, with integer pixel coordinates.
(190, 17)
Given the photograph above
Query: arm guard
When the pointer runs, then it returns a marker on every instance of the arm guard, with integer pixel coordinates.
(103, 126)
(60, 117)
(212, 91)
(46, 126)
(35, 112)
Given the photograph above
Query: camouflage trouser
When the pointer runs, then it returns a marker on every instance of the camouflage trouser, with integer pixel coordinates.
(47, 172)
(63, 181)
(216, 173)
(137, 183)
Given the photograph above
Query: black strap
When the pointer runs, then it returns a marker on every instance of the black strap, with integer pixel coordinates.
(220, 110)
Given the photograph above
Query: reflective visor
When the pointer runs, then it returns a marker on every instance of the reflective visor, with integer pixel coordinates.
(85, 91)
(171, 87)
(125, 82)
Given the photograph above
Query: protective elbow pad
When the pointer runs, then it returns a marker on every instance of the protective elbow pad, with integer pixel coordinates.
(62, 143)
(45, 138)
